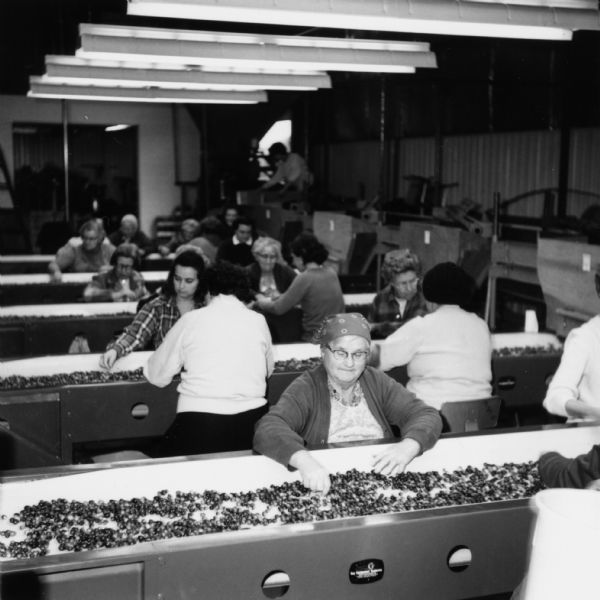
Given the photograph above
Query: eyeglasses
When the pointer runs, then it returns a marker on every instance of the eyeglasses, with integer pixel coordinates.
(266, 256)
(340, 354)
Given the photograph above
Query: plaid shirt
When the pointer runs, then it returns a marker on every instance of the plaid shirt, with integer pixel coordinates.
(385, 311)
(151, 324)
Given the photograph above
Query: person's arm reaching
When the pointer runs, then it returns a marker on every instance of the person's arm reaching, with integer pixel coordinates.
(562, 397)
(96, 292)
(55, 272)
(582, 410)
(278, 433)
(136, 335)
(290, 298)
(314, 475)
(167, 360)
(399, 348)
(420, 426)
(414, 418)
(269, 351)
(139, 289)
(558, 471)
(276, 178)
(395, 457)
(64, 258)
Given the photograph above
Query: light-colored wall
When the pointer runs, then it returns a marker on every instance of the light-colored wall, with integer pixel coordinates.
(158, 194)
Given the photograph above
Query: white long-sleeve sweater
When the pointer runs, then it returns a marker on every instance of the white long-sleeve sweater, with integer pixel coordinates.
(224, 353)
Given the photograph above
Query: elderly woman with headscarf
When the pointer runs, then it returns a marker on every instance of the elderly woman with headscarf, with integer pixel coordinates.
(402, 298)
(345, 400)
(449, 351)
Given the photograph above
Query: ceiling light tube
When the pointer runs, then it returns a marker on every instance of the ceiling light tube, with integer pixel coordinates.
(40, 88)
(73, 70)
(190, 47)
(133, 62)
(251, 39)
(529, 19)
(118, 127)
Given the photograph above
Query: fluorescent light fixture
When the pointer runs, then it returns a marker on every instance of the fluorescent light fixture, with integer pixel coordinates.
(218, 50)
(25, 130)
(119, 127)
(72, 70)
(531, 19)
(40, 87)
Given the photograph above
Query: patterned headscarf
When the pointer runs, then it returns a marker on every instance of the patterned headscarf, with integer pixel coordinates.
(335, 326)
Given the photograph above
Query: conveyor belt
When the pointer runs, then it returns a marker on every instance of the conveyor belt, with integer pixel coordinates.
(36, 288)
(412, 548)
(33, 330)
(248, 472)
(56, 421)
(38, 263)
(36, 278)
(33, 336)
(48, 425)
(49, 365)
(91, 309)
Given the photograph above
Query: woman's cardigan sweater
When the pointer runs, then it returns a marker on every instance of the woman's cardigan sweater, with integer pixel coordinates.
(301, 416)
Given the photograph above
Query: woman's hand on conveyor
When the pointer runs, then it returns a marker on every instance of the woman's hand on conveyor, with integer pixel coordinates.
(396, 457)
(108, 359)
(314, 476)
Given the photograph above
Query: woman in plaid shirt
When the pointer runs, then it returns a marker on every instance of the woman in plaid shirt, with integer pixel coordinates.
(183, 291)
(401, 299)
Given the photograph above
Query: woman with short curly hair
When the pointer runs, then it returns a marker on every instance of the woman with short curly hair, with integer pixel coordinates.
(401, 299)
(317, 288)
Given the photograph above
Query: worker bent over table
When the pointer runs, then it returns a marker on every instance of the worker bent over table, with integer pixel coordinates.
(345, 400)
(226, 355)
